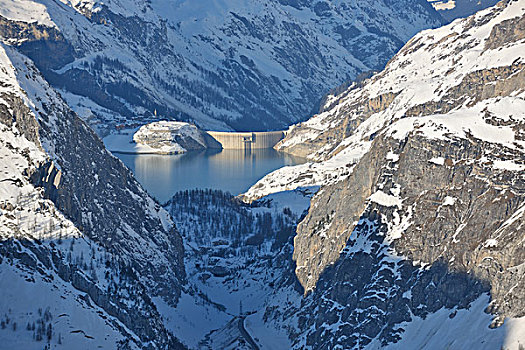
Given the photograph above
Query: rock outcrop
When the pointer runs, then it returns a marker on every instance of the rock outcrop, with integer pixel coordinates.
(171, 137)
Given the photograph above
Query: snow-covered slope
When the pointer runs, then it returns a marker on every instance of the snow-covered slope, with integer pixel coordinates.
(237, 258)
(231, 64)
(420, 209)
(76, 230)
(464, 68)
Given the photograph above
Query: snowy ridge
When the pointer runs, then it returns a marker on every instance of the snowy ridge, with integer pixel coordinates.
(25, 215)
(428, 76)
(49, 158)
(307, 175)
(31, 86)
(242, 65)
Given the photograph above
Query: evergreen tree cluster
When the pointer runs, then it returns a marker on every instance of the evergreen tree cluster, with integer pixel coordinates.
(214, 214)
(41, 328)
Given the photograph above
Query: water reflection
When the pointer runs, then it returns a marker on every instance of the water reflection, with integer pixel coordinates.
(229, 170)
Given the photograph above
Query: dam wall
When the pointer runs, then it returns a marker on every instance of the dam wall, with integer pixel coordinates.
(247, 140)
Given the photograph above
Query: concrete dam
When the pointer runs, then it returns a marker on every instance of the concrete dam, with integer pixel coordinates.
(247, 140)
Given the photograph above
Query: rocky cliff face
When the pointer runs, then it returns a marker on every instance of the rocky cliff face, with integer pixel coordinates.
(73, 213)
(426, 214)
(414, 200)
(250, 66)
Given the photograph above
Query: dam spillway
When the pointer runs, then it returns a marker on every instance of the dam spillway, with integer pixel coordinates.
(247, 140)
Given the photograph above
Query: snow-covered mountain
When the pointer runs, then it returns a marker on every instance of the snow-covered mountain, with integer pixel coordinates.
(83, 248)
(415, 238)
(229, 64)
(463, 68)
(414, 194)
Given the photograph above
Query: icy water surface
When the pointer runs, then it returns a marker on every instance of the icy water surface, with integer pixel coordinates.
(229, 170)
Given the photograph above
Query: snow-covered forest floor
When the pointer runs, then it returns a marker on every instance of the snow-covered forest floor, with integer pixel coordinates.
(237, 258)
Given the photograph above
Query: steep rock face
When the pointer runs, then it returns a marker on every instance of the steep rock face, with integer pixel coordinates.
(443, 217)
(506, 32)
(255, 65)
(67, 188)
(425, 214)
(423, 225)
(37, 40)
(365, 299)
(478, 93)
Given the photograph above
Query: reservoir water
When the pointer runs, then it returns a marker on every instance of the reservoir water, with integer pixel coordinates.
(234, 171)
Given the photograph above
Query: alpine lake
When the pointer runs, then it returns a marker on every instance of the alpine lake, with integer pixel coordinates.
(233, 171)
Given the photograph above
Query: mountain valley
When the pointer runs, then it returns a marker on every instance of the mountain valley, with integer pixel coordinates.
(404, 229)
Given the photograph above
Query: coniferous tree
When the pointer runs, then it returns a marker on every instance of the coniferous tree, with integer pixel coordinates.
(39, 332)
(49, 332)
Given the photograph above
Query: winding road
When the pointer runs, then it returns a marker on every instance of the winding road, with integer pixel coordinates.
(245, 334)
